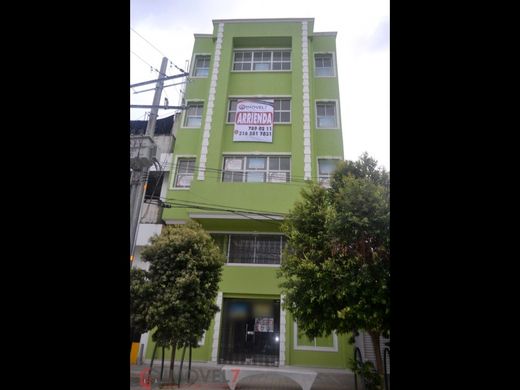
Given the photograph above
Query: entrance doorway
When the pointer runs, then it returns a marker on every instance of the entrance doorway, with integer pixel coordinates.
(250, 332)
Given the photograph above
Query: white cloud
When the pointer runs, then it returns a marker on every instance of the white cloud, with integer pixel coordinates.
(362, 53)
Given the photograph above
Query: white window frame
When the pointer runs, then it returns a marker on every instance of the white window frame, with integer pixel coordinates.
(185, 114)
(336, 102)
(202, 340)
(297, 347)
(267, 171)
(333, 64)
(194, 65)
(174, 171)
(230, 98)
(318, 167)
(260, 49)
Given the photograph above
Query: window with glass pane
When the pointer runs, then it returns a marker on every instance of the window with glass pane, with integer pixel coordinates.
(194, 115)
(184, 173)
(262, 60)
(257, 169)
(255, 249)
(201, 66)
(325, 169)
(326, 115)
(282, 110)
(323, 65)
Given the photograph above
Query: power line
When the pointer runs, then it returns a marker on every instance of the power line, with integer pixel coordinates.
(155, 69)
(147, 41)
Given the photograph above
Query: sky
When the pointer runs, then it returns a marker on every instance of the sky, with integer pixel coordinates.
(165, 28)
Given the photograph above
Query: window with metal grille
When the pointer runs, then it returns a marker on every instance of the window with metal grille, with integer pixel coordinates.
(201, 66)
(323, 65)
(184, 172)
(326, 115)
(282, 110)
(257, 169)
(261, 60)
(193, 116)
(254, 249)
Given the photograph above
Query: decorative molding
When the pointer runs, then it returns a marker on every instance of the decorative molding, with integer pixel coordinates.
(306, 112)
(216, 329)
(211, 100)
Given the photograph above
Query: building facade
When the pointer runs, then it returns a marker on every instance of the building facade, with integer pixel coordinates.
(263, 118)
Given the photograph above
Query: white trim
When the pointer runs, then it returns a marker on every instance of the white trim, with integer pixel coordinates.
(281, 346)
(202, 340)
(174, 171)
(271, 20)
(338, 124)
(185, 112)
(174, 221)
(203, 35)
(261, 48)
(192, 68)
(307, 169)
(296, 347)
(234, 216)
(335, 74)
(216, 329)
(325, 34)
(259, 96)
(211, 100)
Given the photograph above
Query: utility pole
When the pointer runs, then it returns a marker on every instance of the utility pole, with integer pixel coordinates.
(142, 154)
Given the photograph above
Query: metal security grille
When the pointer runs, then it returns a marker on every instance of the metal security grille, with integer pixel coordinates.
(255, 249)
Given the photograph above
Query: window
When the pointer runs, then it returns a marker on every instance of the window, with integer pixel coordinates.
(282, 110)
(326, 115)
(257, 169)
(323, 65)
(325, 169)
(328, 343)
(251, 248)
(261, 60)
(153, 186)
(201, 68)
(193, 116)
(184, 172)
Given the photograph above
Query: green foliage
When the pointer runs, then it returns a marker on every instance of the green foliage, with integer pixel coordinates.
(368, 374)
(140, 297)
(184, 274)
(336, 274)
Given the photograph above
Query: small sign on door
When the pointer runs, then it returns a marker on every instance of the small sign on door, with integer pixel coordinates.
(264, 324)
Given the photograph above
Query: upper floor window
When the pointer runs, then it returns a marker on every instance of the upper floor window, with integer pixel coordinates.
(184, 172)
(193, 115)
(282, 110)
(326, 115)
(325, 169)
(324, 65)
(257, 169)
(201, 68)
(261, 60)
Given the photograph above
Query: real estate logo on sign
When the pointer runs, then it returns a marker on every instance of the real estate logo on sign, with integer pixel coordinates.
(254, 121)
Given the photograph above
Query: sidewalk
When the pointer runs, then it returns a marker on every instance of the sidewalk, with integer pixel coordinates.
(209, 376)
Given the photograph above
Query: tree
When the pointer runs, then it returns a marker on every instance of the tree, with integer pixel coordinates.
(140, 297)
(184, 274)
(336, 272)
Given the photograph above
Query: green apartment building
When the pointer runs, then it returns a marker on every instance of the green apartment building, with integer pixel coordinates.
(263, 117)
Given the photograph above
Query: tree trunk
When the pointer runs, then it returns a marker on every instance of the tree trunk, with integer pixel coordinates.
(151, 363)
(162, 363)
(377, 351)
(172, 360)
(180, 369)
(189, 366)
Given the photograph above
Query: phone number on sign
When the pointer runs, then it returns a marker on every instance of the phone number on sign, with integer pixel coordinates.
(256, 133)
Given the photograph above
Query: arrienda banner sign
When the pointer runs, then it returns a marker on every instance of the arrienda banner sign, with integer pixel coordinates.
(254, 120)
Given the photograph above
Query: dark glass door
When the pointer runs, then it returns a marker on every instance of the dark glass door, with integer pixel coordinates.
(250, 332)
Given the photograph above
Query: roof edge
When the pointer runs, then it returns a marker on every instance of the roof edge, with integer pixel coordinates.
(263, 20)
